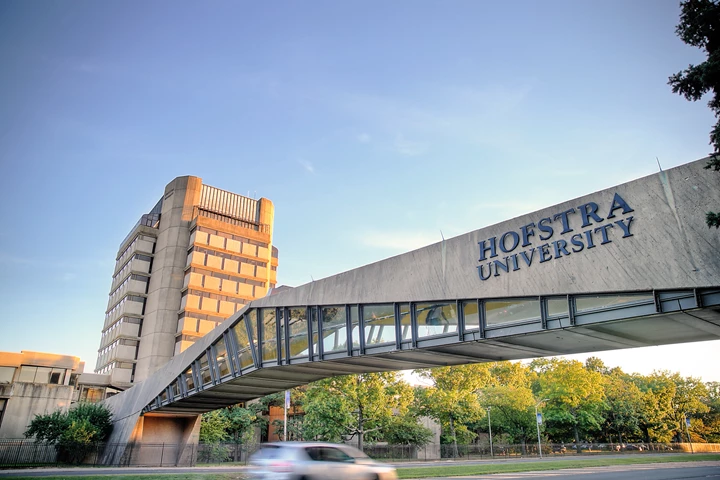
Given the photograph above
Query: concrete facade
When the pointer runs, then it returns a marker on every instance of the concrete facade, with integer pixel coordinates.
(200, 255)
(670, 247)
(34, 383)
(628, 266)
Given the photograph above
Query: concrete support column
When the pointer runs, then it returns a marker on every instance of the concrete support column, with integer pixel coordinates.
(159, 327)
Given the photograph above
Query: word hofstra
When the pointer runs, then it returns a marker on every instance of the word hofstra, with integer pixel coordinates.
(593, 231)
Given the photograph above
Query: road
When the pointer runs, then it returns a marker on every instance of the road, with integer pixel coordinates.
(667, 471)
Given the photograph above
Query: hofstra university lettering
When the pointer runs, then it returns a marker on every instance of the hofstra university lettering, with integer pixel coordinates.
(596, 233)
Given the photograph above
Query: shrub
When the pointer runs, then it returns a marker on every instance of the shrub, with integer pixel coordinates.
(74, 433)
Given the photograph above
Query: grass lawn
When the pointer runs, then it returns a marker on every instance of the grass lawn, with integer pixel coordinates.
(459, 470)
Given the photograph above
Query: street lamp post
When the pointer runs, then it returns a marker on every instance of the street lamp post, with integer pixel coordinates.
(687, 431)
(537, 424)
(490, 431)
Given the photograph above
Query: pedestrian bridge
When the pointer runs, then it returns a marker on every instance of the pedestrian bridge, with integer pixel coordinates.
(630, 266)
(266, 350)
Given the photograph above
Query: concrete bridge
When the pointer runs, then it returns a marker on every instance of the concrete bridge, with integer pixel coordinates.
(630, 266)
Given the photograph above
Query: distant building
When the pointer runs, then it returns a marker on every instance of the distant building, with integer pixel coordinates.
(34, 383)
(200, 255)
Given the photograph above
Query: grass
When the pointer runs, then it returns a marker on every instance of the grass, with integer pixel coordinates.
(444, 470)
(459, 470)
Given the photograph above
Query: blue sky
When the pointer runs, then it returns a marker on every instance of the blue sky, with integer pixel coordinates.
(372, 126)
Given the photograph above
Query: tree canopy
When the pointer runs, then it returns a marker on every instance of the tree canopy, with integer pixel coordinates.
(700, 27)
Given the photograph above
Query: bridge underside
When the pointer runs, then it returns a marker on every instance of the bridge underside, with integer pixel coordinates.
(241, 367)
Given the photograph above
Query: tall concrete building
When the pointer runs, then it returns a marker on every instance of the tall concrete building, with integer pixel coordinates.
(195, 259)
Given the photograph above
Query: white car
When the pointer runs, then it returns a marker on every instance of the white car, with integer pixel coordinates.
(316, 461)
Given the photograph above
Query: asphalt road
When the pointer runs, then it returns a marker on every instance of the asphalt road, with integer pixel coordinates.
(667, 471)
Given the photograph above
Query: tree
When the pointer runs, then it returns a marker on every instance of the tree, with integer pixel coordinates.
(700, 27)
(405, 430)
(74, 433)
(688, 403)
(624, 407)
(453, 399)
(513, 412)
(576, 396)
(657, 395)
(711, 418)
(213, 427)
(363, 406)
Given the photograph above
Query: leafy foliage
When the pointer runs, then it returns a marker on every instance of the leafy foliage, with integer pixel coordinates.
(700, 27)
(365, 406)
(586, 403)
(453, 400)
(576, 397)
(74, 433)
(214, 427)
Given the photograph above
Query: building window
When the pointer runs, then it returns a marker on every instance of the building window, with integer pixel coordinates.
(7, 374)
(92, 395)
(3, 405)
(46, 375)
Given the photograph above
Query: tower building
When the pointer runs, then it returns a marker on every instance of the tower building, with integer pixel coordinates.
(196, 258)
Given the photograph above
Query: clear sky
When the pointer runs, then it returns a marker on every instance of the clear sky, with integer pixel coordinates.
(373, 126)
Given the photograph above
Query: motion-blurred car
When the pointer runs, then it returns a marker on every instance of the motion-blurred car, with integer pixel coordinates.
(640, 447)
(316, 461)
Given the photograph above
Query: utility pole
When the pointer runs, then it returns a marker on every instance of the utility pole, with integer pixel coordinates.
(490, 431)
(287, 404)
(687, 431)
(537, 424)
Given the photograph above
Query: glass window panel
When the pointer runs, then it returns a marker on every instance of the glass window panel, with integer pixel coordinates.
(355, 326)
(243, 344)
(269, 339)
(601, 302)
(470, 314)
(379, 323)
(43, 375)
(334, 329)
(252, 323)
(281, 339)
(7, 374)
(436, 318)
(174, 388)
(557, 307)
(57, 376)
(189, 381)
(205, 375)
(164, 396)
(405, 322)
(315, 330)
(298, 332)
(27, 374)
(221, 358)
(511, 311)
